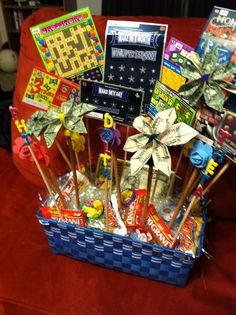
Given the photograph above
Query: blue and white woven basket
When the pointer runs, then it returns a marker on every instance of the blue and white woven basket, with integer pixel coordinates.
(120, 253)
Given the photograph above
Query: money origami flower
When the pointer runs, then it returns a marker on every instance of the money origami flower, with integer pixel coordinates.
(154, 138)
(36, 123)
(208, 78)
(70, 116)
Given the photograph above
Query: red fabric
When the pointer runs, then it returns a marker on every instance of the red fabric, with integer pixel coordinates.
(36, 282)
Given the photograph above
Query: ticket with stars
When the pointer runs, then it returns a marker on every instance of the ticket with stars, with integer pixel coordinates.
(134, 55)
(122, 103)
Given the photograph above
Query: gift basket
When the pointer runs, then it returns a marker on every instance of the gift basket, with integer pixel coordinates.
(133, 210)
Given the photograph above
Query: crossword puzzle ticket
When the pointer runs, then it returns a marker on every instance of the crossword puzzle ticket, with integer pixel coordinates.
(69, 45)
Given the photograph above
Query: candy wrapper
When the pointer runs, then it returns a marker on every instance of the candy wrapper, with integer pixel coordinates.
(133, 210)
(189, 235)
(68, 189)
(93, 208)
(166, 208)
(76, 217)
(141, 235)
(115, 223)
(157, 227)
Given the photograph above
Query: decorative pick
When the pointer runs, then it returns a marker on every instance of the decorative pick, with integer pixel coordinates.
(199, 155)
(208, 79)
(206, 174)
(70, 116)
(78, 145)
(23, 130)
(154, 138)
(36, 124)
(111, 138)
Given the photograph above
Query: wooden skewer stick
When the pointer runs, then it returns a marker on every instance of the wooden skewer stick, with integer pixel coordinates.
(195, 183)
(183, 196)
(217, 176)
(45, 180)
(149, 183)
(188, 174)
(77, 161)
(89, 147)
(63, 154)
(215, 179)
(172, 182)
(72, 158)
(126, 137)
(56, 186)
(125, 152)
(106, 201)
(105, 158)
(155, 187)
(117, 178)
(111, 175)
(190, 166)
(183, 220)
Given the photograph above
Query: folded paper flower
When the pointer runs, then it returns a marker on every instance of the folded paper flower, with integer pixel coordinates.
(209, 79)
(110, 135)
(70, 115)
(200, 154)
(154, 138)
(37, 122)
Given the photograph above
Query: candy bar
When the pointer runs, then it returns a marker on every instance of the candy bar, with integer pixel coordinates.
(69, 216)
(134, 210)
(189, 235)
(156, 226)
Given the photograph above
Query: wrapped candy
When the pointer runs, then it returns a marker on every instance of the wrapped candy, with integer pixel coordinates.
(69, 216)
(115, 223)
(93, 208)
(159, 230)
(189, 235)
(142, 235)
(134, 210)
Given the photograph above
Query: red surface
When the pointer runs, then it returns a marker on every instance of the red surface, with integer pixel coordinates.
(33, 281)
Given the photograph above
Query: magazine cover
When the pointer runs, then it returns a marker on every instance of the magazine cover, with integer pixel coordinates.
(177, 55)
(46, 89)
(164, 98)
(69, 45)
(134, 55)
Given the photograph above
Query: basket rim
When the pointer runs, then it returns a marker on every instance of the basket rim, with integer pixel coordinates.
(128, 239)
